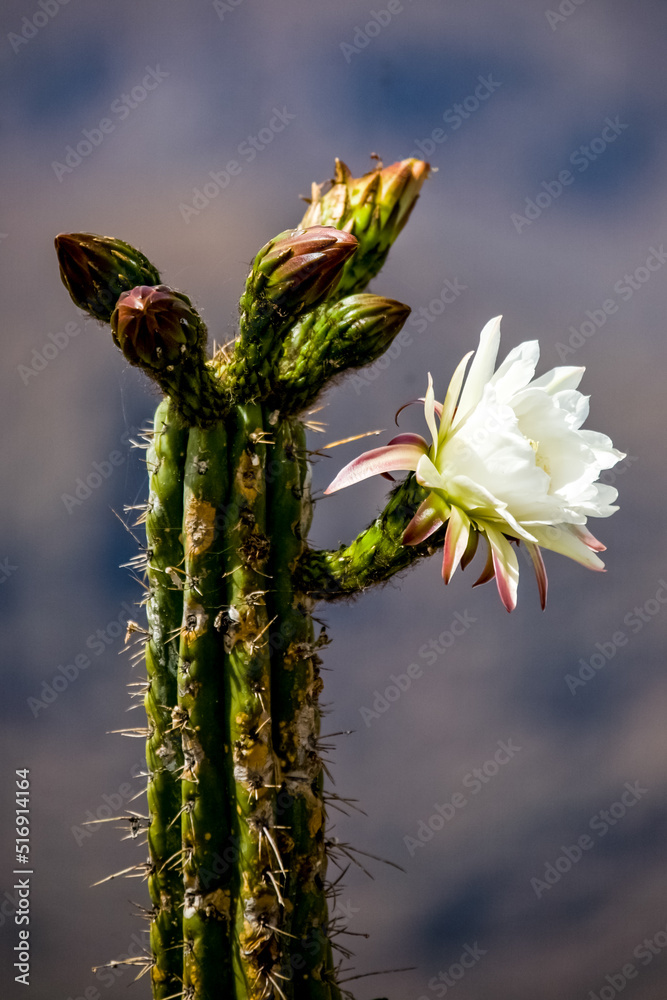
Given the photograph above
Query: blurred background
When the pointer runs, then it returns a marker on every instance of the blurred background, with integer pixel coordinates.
(546, 126)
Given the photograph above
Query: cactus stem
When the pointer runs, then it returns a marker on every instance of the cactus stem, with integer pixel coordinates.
(236, 763)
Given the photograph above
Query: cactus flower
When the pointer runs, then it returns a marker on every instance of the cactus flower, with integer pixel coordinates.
(508, 461)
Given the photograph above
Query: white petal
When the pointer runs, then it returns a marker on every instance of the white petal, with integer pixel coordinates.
(605, 453)
(561, 538)
(428, 475)
(484, 506)
(451, 399)
(574, 404)
(429, 411)
(516, 370)
(481, 368)
(559, 378)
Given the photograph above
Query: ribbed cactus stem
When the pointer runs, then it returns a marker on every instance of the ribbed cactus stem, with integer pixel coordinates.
(165, 459)
(296, 719)
(260, 903)
(200, 716)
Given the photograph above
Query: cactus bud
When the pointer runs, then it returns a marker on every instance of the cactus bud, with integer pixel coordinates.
(155, 326)
(96, 269)
(293, 273)
(297, 270)
(374, 208)
(347, 334)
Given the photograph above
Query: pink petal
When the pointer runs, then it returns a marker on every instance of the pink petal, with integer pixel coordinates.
(540, 571)
(456, 540)
(426, 521)
(409, 438)
(587, 538)
(488, 572)
(390, 458)
(436, 405)
(471, 548)
(506, 566)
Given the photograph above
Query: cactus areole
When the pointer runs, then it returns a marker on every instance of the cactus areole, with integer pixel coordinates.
(236, 833)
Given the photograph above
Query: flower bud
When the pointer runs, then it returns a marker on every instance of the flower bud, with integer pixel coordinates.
(96, 269)
(374, 208)
(347, 334)
(156, 327)
(297, 270)
(366, 325)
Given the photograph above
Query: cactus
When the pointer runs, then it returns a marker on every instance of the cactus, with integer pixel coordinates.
(237, 866)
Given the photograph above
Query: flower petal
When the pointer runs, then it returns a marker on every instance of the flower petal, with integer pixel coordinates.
(540, 571)
(506, 566)
(391, 458)
(456, 540)
(431, 515)
(471, 548)
(587, 538)
(429, 411)
(516, 370)
(484, 504)
(428, 475)
(452, 397)
(566, 377)
(481, 368)
(409, 438)
(489, 571)
(564, 539)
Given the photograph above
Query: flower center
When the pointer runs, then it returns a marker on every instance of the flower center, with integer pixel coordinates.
(540, 459)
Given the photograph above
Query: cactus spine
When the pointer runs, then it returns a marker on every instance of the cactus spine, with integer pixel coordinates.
(237, 848)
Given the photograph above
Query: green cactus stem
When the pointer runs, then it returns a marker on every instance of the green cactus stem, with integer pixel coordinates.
(296, 687)
(255, 768)
(374, 556)
(165, 459)
(238, 850)
(200, 716)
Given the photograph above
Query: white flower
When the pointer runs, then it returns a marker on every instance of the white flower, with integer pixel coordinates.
(508, 460)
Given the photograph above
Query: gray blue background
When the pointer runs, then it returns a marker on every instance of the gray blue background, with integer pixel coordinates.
(223, 70)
